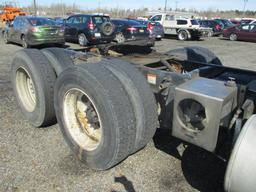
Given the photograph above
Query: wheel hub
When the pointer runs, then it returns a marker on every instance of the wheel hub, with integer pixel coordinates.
(82, 119)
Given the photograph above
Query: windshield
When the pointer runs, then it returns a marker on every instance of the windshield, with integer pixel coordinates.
(133, 23)
(41, 21)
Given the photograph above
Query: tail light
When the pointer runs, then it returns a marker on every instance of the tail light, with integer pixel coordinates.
(34, 29)
(62, 29)
(131, 29)
(218, 27)
(150, 27)
(91, 25)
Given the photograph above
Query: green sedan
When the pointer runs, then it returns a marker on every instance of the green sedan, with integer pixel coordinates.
(31, 31)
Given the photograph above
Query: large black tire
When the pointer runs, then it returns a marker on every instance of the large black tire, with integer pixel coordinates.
(59, 58)
(33, 83)
(195, 53)
(113, 109)
(141, 96)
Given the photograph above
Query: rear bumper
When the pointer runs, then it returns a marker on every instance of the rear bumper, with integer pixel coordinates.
(141, 42)
(46, 41)
(31, 40)
(157, 34)
(99, 40)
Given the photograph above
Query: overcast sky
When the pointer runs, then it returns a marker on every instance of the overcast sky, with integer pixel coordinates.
(196, 4)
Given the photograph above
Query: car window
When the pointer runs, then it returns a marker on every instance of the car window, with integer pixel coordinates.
(169, 17)
(245, 27)
(21, 23)
(70, 20)
(133, 23)
(204, 23)
(194, 22)
(253, 27)
(99, 20)
(156, 18)
(84, 19)
(37, 21)
(117, 23)
(182, 22)
(227, 22)
(78, 20)
(16, 22)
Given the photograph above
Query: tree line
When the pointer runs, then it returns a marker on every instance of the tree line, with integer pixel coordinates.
(58, 9)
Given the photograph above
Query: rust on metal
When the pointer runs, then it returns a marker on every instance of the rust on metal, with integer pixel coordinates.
(84, 123)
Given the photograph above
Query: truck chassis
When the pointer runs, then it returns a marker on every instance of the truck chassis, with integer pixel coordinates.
(109, 107)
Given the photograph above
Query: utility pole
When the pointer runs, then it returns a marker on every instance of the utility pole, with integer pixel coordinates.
(165, 6)
(245, 1)
(176, 5)
(35, 8)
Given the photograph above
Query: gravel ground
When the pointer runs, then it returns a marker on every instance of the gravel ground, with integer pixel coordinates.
(33, 159)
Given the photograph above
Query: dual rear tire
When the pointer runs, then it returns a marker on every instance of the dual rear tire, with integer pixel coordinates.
(106, 110)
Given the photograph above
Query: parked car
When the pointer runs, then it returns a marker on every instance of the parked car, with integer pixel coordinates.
(242, 21)
(183, 28)
(224, 23)
(156, 30)
(132, 33)
(30, 31)
(89, 29)
(243, 32)
(216, 27)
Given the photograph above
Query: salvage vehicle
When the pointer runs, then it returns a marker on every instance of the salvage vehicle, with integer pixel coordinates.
(216, 28)
(224, 23)
(155, 28)
(132, 33)
(245, 32)
(89, 29)
(31, 31)
(183, 28)
(109, 106)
